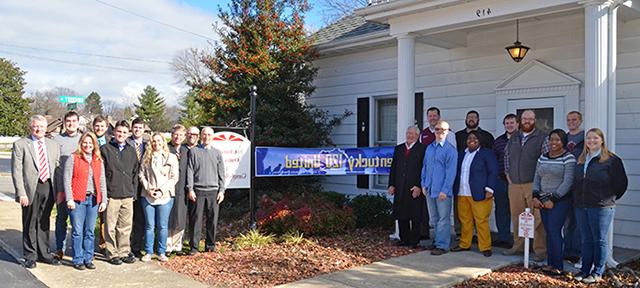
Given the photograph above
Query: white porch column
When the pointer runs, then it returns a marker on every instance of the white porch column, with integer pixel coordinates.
(597, 61)
(406, 84)
(600, 76)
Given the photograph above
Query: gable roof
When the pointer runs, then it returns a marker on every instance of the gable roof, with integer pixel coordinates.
(351, 26)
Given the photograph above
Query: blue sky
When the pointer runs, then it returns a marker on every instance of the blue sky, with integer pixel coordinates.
(90, 46)
(314, 17)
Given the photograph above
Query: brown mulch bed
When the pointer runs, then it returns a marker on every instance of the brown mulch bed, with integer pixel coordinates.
(518, 276)
(282, 263)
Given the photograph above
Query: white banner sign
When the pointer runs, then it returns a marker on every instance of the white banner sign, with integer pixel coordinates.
(236, 154)
(525, 226)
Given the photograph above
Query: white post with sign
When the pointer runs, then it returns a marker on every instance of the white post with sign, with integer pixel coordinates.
(525, 230)
(237, 158)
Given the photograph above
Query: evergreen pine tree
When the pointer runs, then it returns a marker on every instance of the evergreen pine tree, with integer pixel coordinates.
(151, 109)
(93, 104)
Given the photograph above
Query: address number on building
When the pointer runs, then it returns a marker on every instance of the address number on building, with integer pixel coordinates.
(484, 12)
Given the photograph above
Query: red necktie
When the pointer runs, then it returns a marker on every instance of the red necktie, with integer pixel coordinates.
(406, 151)
(43, 167)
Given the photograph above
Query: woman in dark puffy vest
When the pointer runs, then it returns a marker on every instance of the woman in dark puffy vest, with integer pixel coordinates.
(600, 180)
(86, 193)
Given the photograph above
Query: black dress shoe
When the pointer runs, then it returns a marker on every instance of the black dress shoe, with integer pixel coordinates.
(78, 266)
(129, 259)
(210, 249)
(193, 252)
(180, 253)
(51, 261)
(400, 243)
(115, 261)
(90, 266)
(438, 252)
(487, 253)
(458, 249)
(29, 264)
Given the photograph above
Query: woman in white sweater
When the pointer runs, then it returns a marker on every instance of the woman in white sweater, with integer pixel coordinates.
(159, 173)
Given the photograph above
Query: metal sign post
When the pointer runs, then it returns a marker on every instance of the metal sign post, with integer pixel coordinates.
(525, 230)
(252, 190)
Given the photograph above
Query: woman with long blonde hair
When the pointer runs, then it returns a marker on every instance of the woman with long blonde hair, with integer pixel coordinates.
(86, 190)
(600, 180)
(159, 172)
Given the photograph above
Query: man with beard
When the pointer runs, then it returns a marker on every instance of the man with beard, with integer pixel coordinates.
(521, 156)
(501, 196)
(193, 135)
(472, 121)
(404, 185)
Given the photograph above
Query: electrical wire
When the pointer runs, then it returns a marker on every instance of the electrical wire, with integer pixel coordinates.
(153, 20)
(83, 64)
(86, 54)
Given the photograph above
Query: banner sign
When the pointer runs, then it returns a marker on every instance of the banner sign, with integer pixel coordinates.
(282, 161)
(236, 155)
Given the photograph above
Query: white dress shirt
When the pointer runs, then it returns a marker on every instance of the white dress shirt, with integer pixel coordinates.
(465, 169)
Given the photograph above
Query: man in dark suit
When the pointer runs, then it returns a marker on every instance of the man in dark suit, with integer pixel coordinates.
(178, 215)
(34, 160)
(404, 185)
(137, 141)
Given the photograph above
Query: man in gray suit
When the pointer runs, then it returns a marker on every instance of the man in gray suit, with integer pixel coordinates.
(34, 160)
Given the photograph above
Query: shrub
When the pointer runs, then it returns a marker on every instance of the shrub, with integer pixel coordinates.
(253, 239)
(307, 213)
(372, 211)
(293, 238)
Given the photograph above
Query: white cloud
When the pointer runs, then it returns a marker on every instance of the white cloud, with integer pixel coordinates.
(83, 26)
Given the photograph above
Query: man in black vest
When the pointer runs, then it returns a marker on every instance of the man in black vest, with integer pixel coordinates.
(404, 185)
(521, 156)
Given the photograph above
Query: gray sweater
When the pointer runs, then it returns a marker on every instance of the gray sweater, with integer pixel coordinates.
(205, 171)
(68, 145)
(68, 175)
(553, 177)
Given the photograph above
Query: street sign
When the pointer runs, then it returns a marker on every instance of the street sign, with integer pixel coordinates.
(64, 99)
(525, 225)
(237, 158)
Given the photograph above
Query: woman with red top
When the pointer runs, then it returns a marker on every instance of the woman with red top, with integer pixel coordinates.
(86, 194)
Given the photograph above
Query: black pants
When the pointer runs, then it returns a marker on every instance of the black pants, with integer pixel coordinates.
(205, 207)
(35, 223)
(409, 231)
(138, 227)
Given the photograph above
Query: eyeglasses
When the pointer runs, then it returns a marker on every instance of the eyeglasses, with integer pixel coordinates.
(438, 129)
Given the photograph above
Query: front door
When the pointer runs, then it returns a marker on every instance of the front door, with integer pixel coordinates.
(549, 111)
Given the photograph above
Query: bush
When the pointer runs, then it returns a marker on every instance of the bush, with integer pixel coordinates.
(372, 211)
(293, 238)
(310, 214)
(253, 239)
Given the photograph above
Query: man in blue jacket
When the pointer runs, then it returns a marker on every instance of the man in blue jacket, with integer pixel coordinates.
(474, 187)
(438, 174)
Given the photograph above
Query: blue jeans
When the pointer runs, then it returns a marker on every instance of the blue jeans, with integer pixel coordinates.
(440, 215)
(594, 225)
(502, 212)
(572, 242)
(61, 225)
(83, 222)
(553, 220)
(156, 217)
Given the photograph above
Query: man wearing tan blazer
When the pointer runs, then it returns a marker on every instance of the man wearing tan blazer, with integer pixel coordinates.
(34, 160)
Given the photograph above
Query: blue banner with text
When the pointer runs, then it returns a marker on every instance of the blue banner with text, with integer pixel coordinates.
(283, 161)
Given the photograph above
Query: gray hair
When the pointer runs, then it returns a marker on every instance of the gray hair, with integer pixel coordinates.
(38, 118)
(207, 128)
(194, 127)
(415, 128)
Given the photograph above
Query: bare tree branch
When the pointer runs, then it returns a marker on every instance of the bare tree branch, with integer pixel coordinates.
(189, 66)
(333, 10)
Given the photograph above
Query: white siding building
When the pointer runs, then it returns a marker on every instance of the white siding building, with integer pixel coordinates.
(393, 59)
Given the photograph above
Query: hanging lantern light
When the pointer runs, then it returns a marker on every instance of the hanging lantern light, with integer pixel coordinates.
(517, 51)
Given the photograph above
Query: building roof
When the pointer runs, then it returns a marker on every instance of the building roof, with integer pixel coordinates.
(351, 26)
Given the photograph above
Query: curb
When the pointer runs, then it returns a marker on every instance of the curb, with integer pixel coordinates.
(13, 253)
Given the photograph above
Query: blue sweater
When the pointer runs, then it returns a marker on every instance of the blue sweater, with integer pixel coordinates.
(439, 169)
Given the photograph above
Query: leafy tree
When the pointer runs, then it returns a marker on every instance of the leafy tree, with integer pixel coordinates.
(191, 113)
(264, 43)
(13, 107)
(152, 109)
(47, 102)
(93, 104)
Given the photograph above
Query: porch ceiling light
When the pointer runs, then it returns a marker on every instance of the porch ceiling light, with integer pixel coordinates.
(517, 51)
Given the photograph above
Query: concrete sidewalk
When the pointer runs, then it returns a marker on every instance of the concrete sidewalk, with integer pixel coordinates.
(138, 274)
(414, 270)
